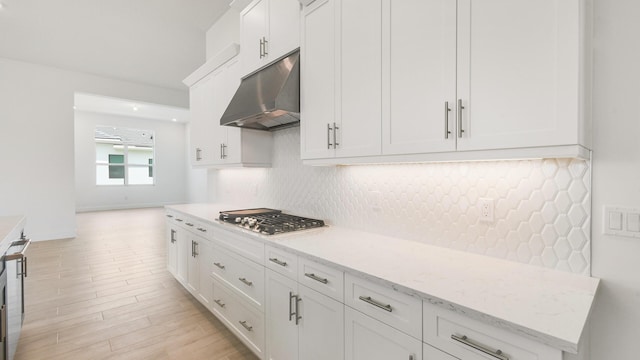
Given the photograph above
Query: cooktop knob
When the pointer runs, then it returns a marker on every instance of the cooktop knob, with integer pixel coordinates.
(252, 222)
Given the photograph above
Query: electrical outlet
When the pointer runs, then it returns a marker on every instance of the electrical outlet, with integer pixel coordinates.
(486, 209)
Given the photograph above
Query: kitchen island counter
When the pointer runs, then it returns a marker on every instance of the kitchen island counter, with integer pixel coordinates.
(545, 305)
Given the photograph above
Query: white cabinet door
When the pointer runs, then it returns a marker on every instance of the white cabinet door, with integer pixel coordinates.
(284, 28)
(370, 339)
(193, 271)
(419, 76)
(202, 124)
(205, 289)
(282, 331)
(321, 330)
(518, 73)
(269, 29)
(318, 79)
(253, 33)
(360, 91)
(184, 252)
(172, 249)
(232, 141)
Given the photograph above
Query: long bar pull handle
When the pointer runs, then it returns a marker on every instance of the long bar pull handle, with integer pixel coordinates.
(316, 278)
(291, 313)
(25, 271)
(369, 300)
(465, 340)
(261, 48)
(221, 152)
(276, 261)
(220, 266)
(192, 249)
(329, 128)
(460, 108)
(335, 135)
(179, 220)
(447, 109)
(196, 251)
(265, 46)
(169, 216)
(3, 323)
(245, 281)
(220, 303)
(298, 317)
(202, 229)
(244, 325)
(198, 156)
(189, 224)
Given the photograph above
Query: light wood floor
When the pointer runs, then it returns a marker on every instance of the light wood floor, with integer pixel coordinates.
(107, 295)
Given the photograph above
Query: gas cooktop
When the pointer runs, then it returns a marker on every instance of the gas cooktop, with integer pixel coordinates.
(269, 221)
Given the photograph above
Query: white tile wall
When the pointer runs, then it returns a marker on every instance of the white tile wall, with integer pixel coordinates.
(542, 207)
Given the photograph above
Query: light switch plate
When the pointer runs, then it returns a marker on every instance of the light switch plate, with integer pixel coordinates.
(622, 221)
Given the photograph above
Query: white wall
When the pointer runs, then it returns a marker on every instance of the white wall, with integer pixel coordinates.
(224, 32)
(37, 150)
(616, 177)
(170, 155)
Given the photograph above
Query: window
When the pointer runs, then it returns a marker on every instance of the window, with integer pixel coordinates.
(124, 156)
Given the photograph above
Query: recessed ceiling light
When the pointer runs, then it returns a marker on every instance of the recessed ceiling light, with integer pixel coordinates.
(174, 119)
(74, 107)
(135, 108)
(1, 6)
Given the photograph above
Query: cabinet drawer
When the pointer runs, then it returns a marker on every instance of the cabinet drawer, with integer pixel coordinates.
(398, 310)
(249, 248)
(241, 318)
(466, 338)
(324, 279)
(281, 262)
(244, 276)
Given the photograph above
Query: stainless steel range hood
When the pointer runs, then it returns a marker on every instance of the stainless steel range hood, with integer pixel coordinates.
(268, 99)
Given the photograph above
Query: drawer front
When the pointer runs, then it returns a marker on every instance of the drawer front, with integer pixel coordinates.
(431, 353)
(249, 248)
(241, 318)
(326, 280)
(281, 262)
(244, 276)
(396, 309)
(466, 338)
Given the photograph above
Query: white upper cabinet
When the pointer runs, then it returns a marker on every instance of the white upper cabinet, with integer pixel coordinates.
(213, 145)
(269, 29)
(518, 73)
(419, 80)
(341, 85)
(419, 74)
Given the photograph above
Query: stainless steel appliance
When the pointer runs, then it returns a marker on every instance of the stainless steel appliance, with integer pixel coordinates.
(14, 263)
(269, 221)
(269, 98)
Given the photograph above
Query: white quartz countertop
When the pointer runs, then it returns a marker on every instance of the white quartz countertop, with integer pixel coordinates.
(542, 304)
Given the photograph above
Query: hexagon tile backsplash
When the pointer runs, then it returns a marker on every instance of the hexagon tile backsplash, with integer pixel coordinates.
(542, 207)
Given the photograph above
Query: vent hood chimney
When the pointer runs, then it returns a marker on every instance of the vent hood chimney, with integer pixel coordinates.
(269, 98)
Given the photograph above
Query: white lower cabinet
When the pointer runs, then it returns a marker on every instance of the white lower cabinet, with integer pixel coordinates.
(370, 339)
(172, 247)
(203, 251)
(243, 319)
(302, 323)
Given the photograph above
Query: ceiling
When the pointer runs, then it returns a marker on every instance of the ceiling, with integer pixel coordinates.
(156, 42)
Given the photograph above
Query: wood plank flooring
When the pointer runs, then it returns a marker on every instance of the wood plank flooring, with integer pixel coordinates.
(106, 294)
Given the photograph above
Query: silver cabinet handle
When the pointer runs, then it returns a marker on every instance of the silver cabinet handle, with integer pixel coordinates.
(202, 229)
(173, 236)
(265, 46)
(335, 135)
(195, 249)
(224, 151)
(198, 154)
(220, 266)
(244, 325)
(329, 128)
(380, 305)
(221, 152)
(411, 357)
(275, 260)
(3, 323)
(295, 313)
(179, 220)
(261, 48)
(460, 108)
(220, 303)
(246, 282)
(447, 109)
(465, 340)
(169, 216)
(316, 278)
(188, 224)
